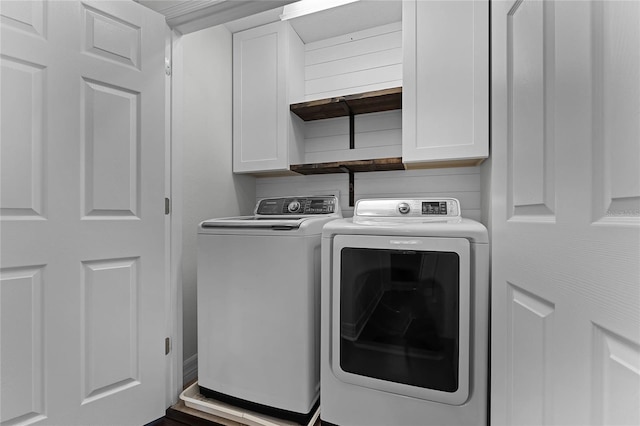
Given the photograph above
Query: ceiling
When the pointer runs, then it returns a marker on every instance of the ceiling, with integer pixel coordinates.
(188, 16)
(347, 19)
(192, 15)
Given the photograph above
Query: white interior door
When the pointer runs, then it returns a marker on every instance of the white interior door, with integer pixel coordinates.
(566, 213)
(83, 282)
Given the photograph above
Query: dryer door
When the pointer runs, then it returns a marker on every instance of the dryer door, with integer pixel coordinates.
(400, 315)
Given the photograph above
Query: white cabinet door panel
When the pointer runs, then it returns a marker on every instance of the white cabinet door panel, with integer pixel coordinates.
(445, 81)
(268, 70)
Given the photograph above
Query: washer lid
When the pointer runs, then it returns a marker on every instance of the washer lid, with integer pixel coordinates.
(252, 222)
(282, 214)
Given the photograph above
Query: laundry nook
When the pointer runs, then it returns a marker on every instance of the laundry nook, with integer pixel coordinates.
(319, 212)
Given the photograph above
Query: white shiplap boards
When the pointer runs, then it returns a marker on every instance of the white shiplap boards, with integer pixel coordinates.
(362, 61)
(377, 135)
(463, 183)
(354, 63)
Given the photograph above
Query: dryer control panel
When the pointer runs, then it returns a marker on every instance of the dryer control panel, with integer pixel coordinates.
(444, 208)
(297, 206)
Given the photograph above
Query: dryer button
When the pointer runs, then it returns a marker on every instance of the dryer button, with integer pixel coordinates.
(404, 208)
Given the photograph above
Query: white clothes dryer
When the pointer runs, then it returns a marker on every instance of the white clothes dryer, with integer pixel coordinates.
(405, 316)
(259, 306)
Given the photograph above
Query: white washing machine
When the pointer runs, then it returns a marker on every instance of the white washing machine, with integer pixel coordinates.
(259, 306)
(405, 316)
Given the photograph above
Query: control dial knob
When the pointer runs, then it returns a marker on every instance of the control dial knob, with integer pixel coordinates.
(404, 208)
(294, 206)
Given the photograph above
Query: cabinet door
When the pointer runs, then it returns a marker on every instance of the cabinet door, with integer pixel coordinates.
(260, 101)
(446, 81)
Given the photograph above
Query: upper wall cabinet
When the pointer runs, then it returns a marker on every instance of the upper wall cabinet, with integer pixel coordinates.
(445, 107)
(267, 77)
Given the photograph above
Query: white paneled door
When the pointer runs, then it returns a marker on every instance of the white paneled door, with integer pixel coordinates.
(82, 213)
(566, 213)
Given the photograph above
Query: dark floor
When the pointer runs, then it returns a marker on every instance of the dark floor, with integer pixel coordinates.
(178, 415)
(179, 418)
(166, 422)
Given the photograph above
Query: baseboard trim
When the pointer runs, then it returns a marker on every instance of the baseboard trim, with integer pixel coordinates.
(190, 369)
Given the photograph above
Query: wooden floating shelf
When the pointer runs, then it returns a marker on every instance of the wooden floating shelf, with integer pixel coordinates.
(349, 106)
(344, 106)
(356, 166)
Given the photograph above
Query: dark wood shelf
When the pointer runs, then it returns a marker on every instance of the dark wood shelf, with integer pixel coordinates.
(356, 166)
(344, 106)
(349, 106)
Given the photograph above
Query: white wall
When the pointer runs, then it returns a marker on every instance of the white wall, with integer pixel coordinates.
(354, 63)
(209, 187)
(377, 135)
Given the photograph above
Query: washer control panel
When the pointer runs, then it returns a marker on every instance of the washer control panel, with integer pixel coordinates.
(297, 206)
(409, 208)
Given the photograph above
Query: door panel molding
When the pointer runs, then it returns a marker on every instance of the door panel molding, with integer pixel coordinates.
(23, 367)
(111, 38)
(530, 344)
(26, 16)
(531, 112)
(616, 362)
(111, 324)
(111, 151)
(24, 137)
(616, 152)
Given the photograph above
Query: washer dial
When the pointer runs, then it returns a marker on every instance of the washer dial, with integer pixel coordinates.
(294, 206)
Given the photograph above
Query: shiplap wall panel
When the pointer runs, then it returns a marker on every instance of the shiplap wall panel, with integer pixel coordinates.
(388, 36)
(352, 82)
(354, 155)
(463, 183)
(365, 60)
(353, 63)
(354, 90)
(325, 128)
(377, 135)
